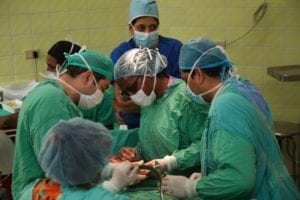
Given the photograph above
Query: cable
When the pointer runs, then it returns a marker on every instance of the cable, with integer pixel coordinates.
(257, 17)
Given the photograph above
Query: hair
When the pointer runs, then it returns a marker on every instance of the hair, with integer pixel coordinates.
(134, 21)
(163, 73)
(59, 48)
(74, 71)
(214, 72)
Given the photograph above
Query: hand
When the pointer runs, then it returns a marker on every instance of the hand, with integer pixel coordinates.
(124, 174)
(180, 186)
(174, 186)
(128, 153)
(109, 168)
(165, 164)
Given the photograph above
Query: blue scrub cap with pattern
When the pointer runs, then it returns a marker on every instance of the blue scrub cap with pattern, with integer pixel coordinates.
(75, 151)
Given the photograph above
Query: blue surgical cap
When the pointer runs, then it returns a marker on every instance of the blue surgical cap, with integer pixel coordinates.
(142, 8)
(97, 62)
(75, 151)
(202, 53)
(140, 62)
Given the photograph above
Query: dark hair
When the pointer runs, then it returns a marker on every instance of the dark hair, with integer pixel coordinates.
(211, 72)
(163, 73)
(74, 71)
(134, 21)
(59, 48)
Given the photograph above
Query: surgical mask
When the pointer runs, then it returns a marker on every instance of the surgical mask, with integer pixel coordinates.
(198, 98)
(90, 101)
(50, 75)
(147, 40)
(87, 101)
(141, 99)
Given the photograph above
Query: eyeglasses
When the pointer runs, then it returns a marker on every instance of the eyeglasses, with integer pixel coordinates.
(131, 90)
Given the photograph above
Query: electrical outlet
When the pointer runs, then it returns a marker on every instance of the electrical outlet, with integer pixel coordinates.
(222, 43)
(31, 53)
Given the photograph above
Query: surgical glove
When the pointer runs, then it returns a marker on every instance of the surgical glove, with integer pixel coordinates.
(124, 174)
(108, 170)
(180, 186)
(167, 163)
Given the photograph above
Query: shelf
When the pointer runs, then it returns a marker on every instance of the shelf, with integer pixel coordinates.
(285, 73)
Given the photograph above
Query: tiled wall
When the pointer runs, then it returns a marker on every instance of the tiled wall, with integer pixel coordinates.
(102, 24)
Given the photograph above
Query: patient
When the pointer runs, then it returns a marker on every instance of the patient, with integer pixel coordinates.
(73, 155)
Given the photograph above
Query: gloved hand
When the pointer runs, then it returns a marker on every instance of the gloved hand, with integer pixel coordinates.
(124, 174)
(174, 186)
(180, 186)
(109, 168)
(166, 164)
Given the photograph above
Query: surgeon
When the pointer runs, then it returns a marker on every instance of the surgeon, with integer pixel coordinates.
(168, 133)
(73, 155)
(103, 112)
(143, 26)
(240, 157)
(52, 100)
(55, 56)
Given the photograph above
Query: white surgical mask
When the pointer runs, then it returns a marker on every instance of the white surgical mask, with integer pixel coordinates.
(50, 75)
(90, 101)
(147, 40)
(87, 101)
(141, 99)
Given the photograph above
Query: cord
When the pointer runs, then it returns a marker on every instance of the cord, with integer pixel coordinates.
(257, 17)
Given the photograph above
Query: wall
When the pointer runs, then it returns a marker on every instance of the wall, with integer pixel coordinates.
(102, 24)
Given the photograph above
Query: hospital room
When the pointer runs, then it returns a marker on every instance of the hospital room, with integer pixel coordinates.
(149, 99)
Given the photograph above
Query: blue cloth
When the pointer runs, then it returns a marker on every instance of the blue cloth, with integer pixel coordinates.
(168, 47)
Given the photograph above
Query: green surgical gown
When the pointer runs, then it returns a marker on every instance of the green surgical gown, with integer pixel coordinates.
(43, 107)
(240, 157)
(168, 127)
(103, 112)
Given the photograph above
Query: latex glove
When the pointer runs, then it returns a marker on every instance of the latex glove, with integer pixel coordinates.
(109, 168)
(180, 186)
(174, 186)
(167, 163)
(124, 174)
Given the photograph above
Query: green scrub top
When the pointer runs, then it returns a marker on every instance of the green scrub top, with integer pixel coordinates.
(240, 157)
(43, 107)
(168, 127)
(103, 112)
(75, 193)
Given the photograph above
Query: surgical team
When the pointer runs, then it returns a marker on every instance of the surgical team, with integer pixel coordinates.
(176, 106)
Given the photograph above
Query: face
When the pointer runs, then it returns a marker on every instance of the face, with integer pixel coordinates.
(51, 63)
(86, 83)
(131, 85)
(144, 24)
(103, 84)
(194, 82)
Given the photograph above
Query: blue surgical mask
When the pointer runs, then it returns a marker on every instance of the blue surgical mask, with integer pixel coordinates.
(198, 98)
(145, 40)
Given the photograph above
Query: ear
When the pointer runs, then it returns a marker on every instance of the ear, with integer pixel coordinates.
(87, 78)
(199, 75)
(130, 29)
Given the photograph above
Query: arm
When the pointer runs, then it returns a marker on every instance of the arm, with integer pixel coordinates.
(234, 176)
